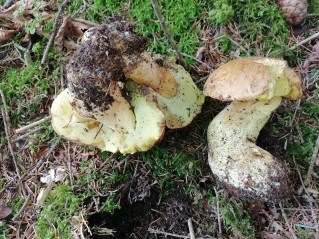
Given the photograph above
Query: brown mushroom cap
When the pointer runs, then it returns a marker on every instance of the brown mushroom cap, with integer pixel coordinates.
(253, 78)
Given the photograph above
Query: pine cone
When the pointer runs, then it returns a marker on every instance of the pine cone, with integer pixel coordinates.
(294, 10)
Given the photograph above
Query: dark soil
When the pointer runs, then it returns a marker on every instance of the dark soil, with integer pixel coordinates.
(133, 220)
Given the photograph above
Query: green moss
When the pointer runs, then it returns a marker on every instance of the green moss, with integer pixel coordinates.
(234, 216)
(26, 88)
(59, 208)
(168, 168)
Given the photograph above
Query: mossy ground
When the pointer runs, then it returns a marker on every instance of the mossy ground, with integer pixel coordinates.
(171, 182)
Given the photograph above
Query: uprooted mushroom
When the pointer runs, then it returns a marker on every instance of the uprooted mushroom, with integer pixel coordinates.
(121, 97)
(256, 86)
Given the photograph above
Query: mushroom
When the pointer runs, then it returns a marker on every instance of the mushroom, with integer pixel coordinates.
(121, 97)
(256, 86)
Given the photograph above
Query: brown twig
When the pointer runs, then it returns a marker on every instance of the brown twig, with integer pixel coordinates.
(35, 167)
(287, 223)
(160, 17)
(54, 31)
(7, 119)
(70, 165)
(193, 58)
(304, 41)
(276, 225)
(27, 134)
(16, 165)
(154, 231)
(32, 125)
(6, 130)
(80, 20)
(22, 208)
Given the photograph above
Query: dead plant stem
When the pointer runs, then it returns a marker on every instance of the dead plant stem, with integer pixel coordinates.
(304, 41)
(191, 228)
(314, 158)
(287, 222)
(80, 20)
(32, 125)
(276, 225)
(194, 58)
(54, 31)
(70, 165)
(218, 213)
(167, 32)
(22, 208)
(27, 134)
(11, 148)
(154, 231)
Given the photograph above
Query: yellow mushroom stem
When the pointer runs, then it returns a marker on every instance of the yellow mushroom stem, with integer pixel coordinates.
(236, 160)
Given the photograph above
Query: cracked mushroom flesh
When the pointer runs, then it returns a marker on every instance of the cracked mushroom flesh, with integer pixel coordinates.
(121, 97)
(256, 86)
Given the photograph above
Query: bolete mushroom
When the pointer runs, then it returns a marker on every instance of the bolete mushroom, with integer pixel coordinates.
(256, 86)
(121, 97)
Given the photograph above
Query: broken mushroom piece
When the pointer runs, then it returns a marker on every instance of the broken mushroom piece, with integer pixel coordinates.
(255, 85)
(120, 98)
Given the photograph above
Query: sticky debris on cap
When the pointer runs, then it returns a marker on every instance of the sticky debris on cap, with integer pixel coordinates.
(253, 78)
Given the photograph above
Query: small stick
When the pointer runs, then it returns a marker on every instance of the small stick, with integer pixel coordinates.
(22, 208)
(32, 125)
(287, 223)
(276, 225)
(194, 58)
(218, 215)
(154, 231)
(312, 162)
(5, 108)
(167, 32)
(27, 134)
(190, 228)
(304, 41)
(237, 44)
(70, 165)
(295, 113)
(54, 31)
(35, 167)
(80, 20)
(9, 144)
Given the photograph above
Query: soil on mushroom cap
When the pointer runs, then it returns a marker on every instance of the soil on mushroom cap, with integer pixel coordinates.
(99, 61)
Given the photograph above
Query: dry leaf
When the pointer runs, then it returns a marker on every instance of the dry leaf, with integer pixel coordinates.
(4, 211)
(6, 35)
(69, 28)
(55, 175)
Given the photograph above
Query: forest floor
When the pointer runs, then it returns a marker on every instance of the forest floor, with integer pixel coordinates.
(53, 188)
